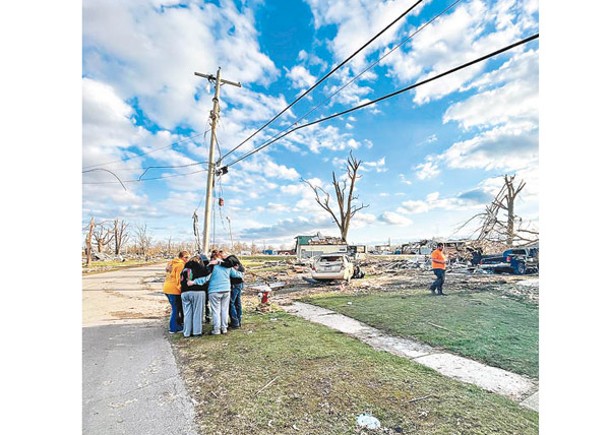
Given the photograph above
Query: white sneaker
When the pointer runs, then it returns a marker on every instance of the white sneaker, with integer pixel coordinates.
(224, 331)
(215, 333)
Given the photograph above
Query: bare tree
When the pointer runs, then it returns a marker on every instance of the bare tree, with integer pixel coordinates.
(142, 239)
(103, 236)
(240, 247)
(120, 235)
(344, 198)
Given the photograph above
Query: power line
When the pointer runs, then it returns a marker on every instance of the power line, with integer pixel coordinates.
(361, 73)
(524, 41)
(116, 176)
(393, 94)
(326, 76)
(146, 153)
(148, 179)
(171, 167)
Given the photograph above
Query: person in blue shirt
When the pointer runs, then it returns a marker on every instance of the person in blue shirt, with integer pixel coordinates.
(219, 292)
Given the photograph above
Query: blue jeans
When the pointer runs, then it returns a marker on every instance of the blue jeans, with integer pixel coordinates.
(193, 302)
(235, 305)
(439, 282)
(174, 326)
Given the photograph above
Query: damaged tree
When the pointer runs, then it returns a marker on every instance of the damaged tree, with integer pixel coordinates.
(142, 239)
(499, 219)
(88, 244)
(103, 236)
(120, 235)
(344, 197)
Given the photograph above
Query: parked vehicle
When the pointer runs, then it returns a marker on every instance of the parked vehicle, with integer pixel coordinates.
(515, 260)
(332, 267)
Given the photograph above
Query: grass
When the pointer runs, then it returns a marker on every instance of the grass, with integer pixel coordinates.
(488, 327)
(282, 374)
(104, 266)
(260, 260)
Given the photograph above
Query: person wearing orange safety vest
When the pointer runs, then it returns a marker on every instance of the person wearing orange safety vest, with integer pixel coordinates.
(438, 265)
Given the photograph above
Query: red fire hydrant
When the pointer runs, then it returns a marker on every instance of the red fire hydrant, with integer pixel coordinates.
(264, 296)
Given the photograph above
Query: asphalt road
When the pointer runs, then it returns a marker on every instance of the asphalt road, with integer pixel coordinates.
(131, 384)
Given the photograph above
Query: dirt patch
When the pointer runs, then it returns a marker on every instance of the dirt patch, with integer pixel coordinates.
(520, 286)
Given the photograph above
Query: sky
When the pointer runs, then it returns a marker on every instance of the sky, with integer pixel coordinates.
(431, 157)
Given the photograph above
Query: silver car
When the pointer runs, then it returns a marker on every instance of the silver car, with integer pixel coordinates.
(331, 267)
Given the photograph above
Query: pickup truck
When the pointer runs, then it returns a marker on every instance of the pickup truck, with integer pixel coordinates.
(515, 260)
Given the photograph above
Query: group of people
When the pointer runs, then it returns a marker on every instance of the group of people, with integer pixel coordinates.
(203, 290)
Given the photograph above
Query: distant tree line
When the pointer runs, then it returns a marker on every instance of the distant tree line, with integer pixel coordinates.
(117, 238)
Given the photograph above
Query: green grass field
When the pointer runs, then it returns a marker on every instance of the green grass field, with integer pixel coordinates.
(282, 374)
(488, 327)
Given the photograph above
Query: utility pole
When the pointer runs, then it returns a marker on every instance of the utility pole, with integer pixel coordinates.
(230, 232)
(211, 169)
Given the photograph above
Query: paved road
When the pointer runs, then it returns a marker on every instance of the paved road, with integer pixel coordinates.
(131, 383)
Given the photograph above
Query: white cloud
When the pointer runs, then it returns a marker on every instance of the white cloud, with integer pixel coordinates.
(272, 207)
(505, 113)
(312, 59)
(404, 180)
(463, 34)
(504, 148)
(289, 228)
(470, 200)
(267, 168)
(152, 53)
(414, 207)
(393, 218)
(301, 78)
(377, 166)
(516, 102)
(318, 138)
(351, 17)
(427, 170)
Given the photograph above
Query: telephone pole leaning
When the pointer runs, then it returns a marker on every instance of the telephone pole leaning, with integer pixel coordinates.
(211, 169)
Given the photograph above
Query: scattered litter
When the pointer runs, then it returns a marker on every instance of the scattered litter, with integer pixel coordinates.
(273, 319)
(368, 421)
(294, 427)
(269, 383)
(349, 303)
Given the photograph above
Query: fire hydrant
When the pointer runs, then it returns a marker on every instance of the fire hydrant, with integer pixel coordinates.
(264, 296)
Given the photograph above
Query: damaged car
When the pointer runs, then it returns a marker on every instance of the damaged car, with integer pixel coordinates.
(332, 267)
(518, 261)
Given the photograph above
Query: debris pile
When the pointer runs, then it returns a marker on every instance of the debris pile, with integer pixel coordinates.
(325, 240)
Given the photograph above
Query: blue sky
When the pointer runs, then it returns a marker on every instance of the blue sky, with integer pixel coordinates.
(432, 157)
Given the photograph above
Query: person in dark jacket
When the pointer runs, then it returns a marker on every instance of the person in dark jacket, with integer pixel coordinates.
(236, 288)
(193, 297)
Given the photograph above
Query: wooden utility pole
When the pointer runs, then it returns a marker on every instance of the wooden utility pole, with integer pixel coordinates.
(211, 168)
